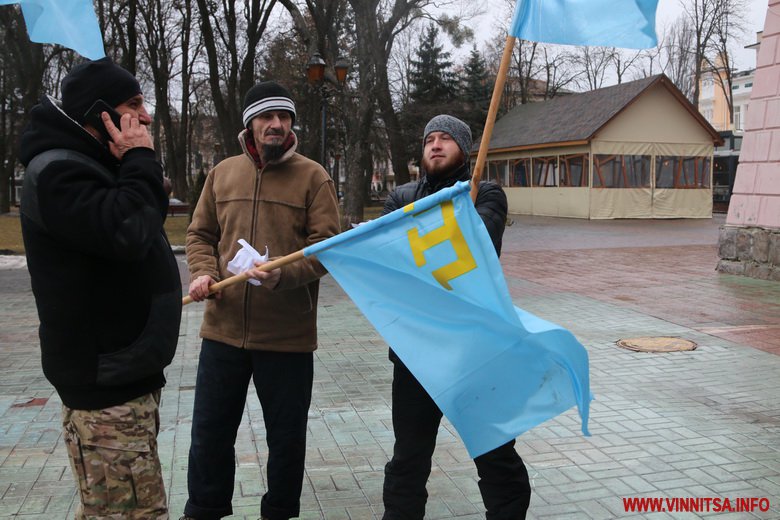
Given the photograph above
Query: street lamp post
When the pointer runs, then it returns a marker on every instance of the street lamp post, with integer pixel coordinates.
(318, 76)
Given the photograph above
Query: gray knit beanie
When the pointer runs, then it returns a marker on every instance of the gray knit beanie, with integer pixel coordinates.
(455, 127)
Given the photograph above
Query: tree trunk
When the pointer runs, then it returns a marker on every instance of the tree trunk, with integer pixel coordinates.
(398, 153)
(23, 65)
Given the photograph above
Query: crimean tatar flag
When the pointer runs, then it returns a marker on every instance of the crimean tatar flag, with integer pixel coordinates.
(428, 278)
(606, 23)
(71, 23)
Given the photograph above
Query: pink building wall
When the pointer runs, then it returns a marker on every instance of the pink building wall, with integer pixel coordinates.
(756, 196)
(749, 243)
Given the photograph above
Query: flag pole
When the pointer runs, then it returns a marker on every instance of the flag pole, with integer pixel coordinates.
(491, 116)
(242, 277)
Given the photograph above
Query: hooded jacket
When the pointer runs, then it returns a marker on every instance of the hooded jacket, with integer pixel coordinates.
(105, 280)
(286, 205)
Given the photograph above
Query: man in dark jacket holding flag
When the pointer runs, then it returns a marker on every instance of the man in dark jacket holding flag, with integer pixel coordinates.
(106, 284)
(503, 479)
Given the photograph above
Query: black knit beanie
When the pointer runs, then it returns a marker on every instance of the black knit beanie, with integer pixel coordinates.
(92, 80)
(264, 97)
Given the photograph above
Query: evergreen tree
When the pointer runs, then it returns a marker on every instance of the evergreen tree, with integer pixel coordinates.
(475, 91)
(432, 89)
(431, 79)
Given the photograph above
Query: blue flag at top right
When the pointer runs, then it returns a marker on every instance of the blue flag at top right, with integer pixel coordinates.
(599, 23)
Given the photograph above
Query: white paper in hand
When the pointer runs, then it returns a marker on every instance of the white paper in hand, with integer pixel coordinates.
(245, 260)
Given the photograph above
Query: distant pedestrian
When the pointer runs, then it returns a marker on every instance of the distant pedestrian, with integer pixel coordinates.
(269, 196)
(105, 281)
(503, 479)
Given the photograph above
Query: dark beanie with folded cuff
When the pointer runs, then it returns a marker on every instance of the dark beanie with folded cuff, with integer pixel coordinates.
(265, 97)
(92, 80)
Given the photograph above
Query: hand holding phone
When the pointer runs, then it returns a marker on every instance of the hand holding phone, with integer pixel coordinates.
(93, 117)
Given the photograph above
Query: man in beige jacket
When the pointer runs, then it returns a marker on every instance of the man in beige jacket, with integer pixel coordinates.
(269, 196)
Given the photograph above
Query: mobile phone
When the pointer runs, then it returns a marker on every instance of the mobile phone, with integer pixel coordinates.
(93, 117)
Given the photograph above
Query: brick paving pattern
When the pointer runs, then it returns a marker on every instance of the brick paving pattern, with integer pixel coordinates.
(704, 423)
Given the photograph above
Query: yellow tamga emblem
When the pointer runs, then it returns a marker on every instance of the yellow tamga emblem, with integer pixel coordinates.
(448, 231)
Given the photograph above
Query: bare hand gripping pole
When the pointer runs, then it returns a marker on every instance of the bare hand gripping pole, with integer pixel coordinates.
(243, 277)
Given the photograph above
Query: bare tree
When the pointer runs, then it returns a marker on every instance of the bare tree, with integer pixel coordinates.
(624, 62)
(166, 33)
(709, 21)
(117, 19)
(677, 59)
(526, 67)
(649, 63)
(399, 65)
(377, 25)
(327, 29)
(728, 27)
(558, 70)
(593, 63)
(231, 35)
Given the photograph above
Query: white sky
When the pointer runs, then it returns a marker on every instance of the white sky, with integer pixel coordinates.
(668, 11)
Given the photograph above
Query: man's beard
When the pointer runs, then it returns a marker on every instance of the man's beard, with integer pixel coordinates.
(272, 152)
(441, 169)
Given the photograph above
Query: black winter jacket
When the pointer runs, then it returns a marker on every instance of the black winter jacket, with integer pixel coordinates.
(104, 277)
(491, 200)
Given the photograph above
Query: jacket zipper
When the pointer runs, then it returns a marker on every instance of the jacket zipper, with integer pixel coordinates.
(253, 228)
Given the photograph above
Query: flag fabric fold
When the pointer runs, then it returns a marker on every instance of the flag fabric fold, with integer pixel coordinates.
(71, 23)
(428, 278)
(606, 23)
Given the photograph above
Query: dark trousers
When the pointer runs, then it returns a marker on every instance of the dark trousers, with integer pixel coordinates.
(503, 479)
(283, 382)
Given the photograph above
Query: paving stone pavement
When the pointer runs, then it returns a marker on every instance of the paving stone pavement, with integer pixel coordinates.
(700, 424)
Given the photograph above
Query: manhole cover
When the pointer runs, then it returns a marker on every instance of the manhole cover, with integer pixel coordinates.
(656, 344)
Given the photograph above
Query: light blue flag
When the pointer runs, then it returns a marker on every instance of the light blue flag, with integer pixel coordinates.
(71, 23)
(606, 23)
(428, 278)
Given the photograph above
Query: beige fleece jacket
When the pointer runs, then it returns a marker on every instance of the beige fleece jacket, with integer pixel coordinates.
(287, 205)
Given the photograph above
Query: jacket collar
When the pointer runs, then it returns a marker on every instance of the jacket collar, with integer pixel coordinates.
(248, 146)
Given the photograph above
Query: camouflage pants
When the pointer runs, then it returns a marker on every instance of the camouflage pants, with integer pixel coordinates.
(113, 455)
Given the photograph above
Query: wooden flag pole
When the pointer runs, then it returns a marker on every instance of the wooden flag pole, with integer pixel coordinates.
(498, 88)
(242, 277)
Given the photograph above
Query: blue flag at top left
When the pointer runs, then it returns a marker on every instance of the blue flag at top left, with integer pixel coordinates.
(70, 23)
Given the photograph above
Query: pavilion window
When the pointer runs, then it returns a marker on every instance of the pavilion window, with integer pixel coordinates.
(521, 172)
(682, 172)
(545, 171)
(621, 171)
(497, 172)
(574, 170)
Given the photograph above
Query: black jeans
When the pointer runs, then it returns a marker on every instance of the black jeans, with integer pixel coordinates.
(283, 382)
(503, 479)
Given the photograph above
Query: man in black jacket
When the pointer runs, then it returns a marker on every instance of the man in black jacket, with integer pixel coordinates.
(106, 284)
(503, 479)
